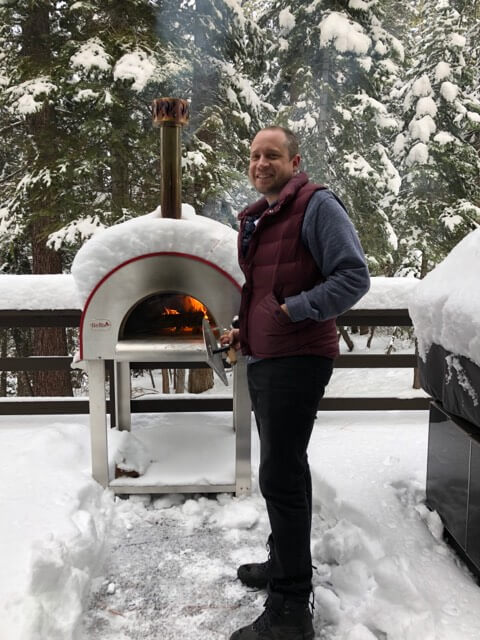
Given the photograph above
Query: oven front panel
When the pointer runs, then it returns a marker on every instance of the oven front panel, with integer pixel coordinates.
(124, 288)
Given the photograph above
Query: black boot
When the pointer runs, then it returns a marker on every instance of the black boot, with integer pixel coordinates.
(281, 620)
(257, 574)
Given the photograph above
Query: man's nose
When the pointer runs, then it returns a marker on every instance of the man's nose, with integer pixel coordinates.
(262, 161)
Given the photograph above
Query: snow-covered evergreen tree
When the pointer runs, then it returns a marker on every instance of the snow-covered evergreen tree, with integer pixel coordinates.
(92, 83)
(438, 147)
(333, 66)
(75, 87)
(77, 79)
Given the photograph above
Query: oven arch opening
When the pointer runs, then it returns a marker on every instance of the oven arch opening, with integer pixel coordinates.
(171, 315)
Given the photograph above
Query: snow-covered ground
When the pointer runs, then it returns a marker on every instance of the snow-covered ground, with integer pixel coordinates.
(78, 564)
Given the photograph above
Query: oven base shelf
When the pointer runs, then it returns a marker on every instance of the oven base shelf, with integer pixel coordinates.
(132, 489)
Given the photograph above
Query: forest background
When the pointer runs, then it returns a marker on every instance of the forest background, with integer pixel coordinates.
(383, 94)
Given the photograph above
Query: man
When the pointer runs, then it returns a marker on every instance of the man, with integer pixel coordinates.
(303, 266)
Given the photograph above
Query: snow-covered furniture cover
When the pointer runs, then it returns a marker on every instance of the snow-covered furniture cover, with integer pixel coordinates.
(445, 311)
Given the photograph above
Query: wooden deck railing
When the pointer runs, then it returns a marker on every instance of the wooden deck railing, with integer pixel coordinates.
(174, 403)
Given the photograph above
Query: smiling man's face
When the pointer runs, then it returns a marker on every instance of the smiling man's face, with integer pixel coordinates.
(270, 164)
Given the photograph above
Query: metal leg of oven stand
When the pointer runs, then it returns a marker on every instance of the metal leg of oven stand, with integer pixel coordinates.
(242, 426)
(98, 420)
(122, 395)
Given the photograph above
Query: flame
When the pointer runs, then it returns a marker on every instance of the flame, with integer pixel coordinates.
(192, 304)
(189, 305)
(184, 305)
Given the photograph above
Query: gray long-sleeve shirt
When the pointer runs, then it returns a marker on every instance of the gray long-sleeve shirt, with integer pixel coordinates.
(330, 236)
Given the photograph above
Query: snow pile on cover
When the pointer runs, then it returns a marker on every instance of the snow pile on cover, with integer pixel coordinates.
(53, 291)
(445, 308)
(54, 520)
(194, 235)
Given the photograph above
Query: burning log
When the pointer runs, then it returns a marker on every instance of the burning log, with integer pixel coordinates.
(187, 322)
(166, 314)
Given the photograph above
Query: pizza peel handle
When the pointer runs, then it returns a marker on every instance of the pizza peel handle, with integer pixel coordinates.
(214, 352)
(232, 355)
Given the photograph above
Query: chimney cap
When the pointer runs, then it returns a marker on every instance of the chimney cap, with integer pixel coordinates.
(174, 111)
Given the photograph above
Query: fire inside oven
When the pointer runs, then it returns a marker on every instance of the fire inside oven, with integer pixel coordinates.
(169, 315)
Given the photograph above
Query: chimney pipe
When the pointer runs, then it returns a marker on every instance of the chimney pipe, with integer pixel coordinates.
(170, 114)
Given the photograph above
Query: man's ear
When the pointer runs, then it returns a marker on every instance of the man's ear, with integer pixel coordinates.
(296, 161)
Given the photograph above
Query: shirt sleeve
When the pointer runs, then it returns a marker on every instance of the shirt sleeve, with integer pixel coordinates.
(330, 236)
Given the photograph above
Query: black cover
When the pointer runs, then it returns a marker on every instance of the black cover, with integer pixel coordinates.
(450, 387)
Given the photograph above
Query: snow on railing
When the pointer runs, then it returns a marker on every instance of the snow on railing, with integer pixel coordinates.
(32, 301)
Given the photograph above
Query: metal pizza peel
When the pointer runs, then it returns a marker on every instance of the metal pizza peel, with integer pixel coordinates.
(214, 352)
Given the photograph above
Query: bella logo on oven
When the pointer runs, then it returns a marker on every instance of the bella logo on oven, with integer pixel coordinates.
(100, 325)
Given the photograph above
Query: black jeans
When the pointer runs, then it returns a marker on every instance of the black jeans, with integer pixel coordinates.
(285, 393)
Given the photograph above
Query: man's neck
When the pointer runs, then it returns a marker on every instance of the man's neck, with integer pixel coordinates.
(271, 199)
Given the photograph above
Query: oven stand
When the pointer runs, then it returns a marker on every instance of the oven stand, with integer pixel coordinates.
(242, 409)
(98, 420)
(99, 441)
(123, 392)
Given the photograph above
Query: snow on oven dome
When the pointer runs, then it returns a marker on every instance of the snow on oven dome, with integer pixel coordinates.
(445, 306)
(193, 235)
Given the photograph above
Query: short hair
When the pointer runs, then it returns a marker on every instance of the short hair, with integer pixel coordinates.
(291, 139)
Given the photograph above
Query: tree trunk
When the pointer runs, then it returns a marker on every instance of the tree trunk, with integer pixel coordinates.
(344, 334)
(199, 380)
(23, 348)
(119, 169)
(4, 354)
(424, 265)
(179, 380)
(416, 371)
(48, 341)
(165, 381)
(152, 379)
(42, 128)
(324, 115)
(369, 341)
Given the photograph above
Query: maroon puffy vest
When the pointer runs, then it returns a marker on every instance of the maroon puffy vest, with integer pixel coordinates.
(278, 265)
